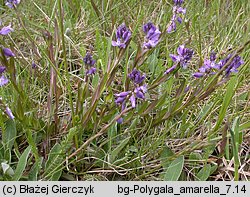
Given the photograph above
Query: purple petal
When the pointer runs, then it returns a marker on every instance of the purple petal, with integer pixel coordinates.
(202, 69)
(198, 75)
(123, 94)
(175, 58)
(179, 19)
(33, 65)
(132, 100)
(88, 59)
(181, 10)
(144, 88)
(171, 27)
(140, 95)
(8, 53)
(178, 2)
(148, 26)
(181, 50)
(2, 69)
(91, 71)
(11, 3)
(3, 80)
(120, 100)
(115, 44)
(120, 121)
(9, 113)
(170, 69)
(212, 56)
(6, 30)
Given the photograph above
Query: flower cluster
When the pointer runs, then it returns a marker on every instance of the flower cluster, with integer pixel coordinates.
(3, 79)
(7, 52)
(234, 65)
(207, 66)
(12, 3)
(210, 64)
(183, 58)
(178, 13)
(136, 76)
(138, 93)
(123, 34)
(178, 2)
(89, 62)
(152, 35)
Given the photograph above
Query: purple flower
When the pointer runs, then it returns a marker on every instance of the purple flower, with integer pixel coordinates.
(198, 75)
(33, 65)
(171, 69)
(120, 121)
(2, 69)
(6, 30)
(171, 27)
(89, 62)
(178, 2)
(123, 35)
(207, 66)
(136, 76)
(9, 113)
(177, 12)
(3, 80)
(152, 35)
(211, 64)
(12, 3)
(88, 59)
(183, 57)
(8, 53)
(140, 91)
(235, 64)
(121, 97)
(133, 100)
(91, 71)
(212, 56)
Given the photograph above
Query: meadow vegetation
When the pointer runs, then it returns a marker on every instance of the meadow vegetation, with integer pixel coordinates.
(125, 90)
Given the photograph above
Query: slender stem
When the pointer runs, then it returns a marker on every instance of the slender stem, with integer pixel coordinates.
(66, 68)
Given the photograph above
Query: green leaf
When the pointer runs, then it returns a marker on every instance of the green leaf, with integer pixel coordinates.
(33, 173)
(244, 126)
(9, 134)
(236, 141)
(53, 154)
(165, 155)
(195, 156)
(95, 80)
(174, 170)
(54, 164)
(21, 164)
(204, 173)
(118, 149)
(226, 101)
